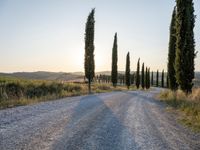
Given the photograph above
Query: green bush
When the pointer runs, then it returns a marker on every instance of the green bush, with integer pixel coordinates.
(14, 90)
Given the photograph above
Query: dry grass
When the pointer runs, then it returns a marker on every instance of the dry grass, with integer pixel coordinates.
(187, 106)
(195, 96)
(66, 90)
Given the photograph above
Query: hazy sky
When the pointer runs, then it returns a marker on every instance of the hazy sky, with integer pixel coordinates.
(49, 34)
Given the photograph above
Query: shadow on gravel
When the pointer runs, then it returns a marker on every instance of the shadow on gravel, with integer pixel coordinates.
(157, 116)
(93, 125)
(144, 95)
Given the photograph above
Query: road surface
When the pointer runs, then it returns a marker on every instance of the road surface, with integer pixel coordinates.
(109, 121)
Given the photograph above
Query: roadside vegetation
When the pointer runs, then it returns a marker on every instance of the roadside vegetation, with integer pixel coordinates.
(182, 96)
(17, 92)
(186, 105)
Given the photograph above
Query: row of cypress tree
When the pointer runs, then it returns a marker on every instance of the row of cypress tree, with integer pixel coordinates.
(145, 77)
(114, 73)
(89, 55)
(180, 56)
(146, 80)
(181, 53)
(102, 78)
(89, 60)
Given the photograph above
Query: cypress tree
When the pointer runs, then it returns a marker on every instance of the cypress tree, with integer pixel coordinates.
(127, 75)
(172, 53)
(146, 78)
(167, 80)
(133, 78)
(120, 79)
(142, 76)
(89, 49)
(114, 62)
(138, 74)
(162, 79)
(185, 44)
(123, 79)
(157, 78)
(152, 78)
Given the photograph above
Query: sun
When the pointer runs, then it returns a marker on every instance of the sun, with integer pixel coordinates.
(98, 61)
(78, 60)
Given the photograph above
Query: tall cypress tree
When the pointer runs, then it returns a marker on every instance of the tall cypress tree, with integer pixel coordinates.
(167, 80)
(152, 78)
(123, 80)
(127, 75)
(132, 78)
(185, 44)
(142, 77)
(146, 78)
(157, 78)
(138, 74)
(114, 62)
(89, 49)
(172, 53)
(162, 79)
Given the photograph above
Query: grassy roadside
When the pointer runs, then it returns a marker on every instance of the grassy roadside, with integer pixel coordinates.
(18, 92)
(186, 106)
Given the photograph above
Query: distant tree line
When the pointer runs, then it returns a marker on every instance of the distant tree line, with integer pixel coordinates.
(150, 79)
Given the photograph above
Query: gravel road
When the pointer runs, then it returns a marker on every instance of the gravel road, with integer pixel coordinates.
(109, 121)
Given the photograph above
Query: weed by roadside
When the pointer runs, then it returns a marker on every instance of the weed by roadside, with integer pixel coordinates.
(17, 92)
(187, 106)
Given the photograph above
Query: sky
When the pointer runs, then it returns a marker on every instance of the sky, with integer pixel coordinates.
(48, 35)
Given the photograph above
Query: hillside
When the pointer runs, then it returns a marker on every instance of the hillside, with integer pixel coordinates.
(63, 76)
(42, 75)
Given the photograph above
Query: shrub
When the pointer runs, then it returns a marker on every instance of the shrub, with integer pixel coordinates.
(180, 95)
(55, 88)
(195, 96)
(70, 87)
(104, 87)
(14, 90)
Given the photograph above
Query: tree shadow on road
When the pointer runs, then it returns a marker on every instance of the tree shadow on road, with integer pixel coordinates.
(93, 125)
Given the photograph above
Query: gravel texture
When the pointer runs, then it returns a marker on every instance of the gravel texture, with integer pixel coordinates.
(109, 121)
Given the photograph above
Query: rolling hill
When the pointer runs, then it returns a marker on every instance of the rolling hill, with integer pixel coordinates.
(63, 76)
(43, 75)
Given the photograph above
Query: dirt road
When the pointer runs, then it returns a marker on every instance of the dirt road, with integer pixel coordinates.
(110, 121)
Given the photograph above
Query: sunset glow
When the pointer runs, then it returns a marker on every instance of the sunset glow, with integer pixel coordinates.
(49, 35)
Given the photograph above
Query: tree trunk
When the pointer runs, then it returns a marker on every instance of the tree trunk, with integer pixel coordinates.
(89, 87)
